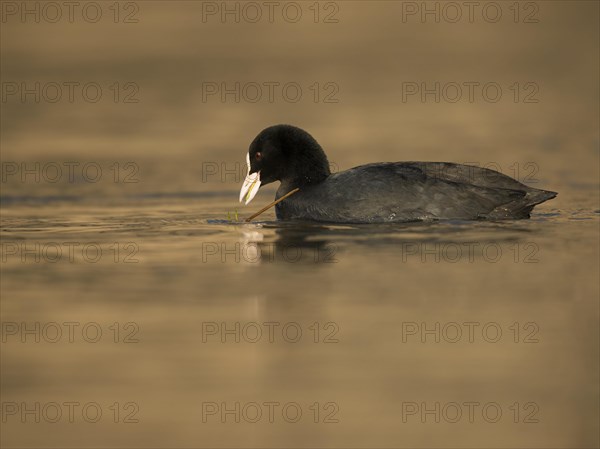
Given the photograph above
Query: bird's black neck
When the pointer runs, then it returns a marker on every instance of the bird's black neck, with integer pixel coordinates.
(310, 166)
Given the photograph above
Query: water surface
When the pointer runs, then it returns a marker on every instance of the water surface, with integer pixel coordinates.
(130, 299)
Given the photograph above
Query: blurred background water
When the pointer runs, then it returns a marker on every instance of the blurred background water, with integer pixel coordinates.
(115, 217)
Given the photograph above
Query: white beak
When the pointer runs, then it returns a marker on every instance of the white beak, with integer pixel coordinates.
(251, 184)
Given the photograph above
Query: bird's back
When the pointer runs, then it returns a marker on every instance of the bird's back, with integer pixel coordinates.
(409, 191)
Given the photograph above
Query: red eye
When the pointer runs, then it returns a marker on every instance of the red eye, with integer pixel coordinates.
(258, 156)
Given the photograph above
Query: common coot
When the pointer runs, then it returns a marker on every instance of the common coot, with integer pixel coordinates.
(381, 192)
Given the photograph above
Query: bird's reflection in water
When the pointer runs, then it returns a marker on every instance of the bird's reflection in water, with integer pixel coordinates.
(292, 244)
(310, 243)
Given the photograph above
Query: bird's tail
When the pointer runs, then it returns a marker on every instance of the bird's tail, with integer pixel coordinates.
(522, 207)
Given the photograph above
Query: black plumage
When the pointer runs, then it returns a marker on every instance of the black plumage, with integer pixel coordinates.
(382, 192)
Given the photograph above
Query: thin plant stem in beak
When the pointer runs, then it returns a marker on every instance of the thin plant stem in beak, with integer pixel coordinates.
(267, 207)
